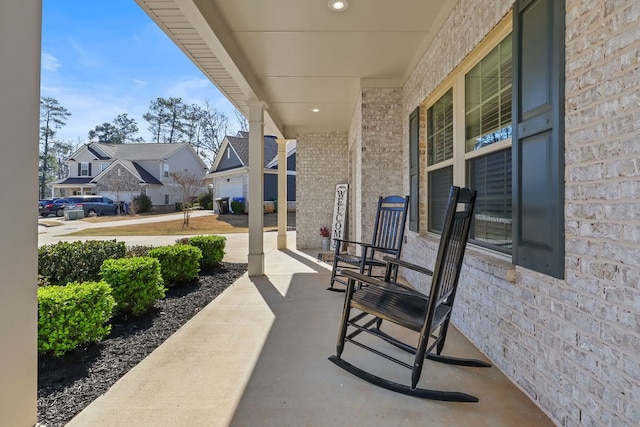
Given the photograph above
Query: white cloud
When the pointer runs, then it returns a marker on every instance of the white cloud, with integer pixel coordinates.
(49, 62)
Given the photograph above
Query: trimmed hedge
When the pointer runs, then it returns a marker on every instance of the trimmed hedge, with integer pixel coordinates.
(136, 283)
(71, 315)
(65, 262)
(178, 263)
(212, 248)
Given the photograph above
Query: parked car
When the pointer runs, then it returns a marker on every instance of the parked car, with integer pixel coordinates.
(93, 205)
(52, 206)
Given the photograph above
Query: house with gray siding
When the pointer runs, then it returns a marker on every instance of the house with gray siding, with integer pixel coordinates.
(123, 171)
(229, 173)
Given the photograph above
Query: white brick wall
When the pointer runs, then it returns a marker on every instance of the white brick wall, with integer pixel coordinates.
(381, 151)
(572, 345)
(321, 164)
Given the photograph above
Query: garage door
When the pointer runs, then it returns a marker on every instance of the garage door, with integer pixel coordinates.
(229, 189)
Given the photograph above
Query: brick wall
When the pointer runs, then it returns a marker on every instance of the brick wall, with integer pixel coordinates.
(572, 345)
(321, 164)
(381, 151)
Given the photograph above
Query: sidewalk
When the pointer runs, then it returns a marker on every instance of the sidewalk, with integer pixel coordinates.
(54, 234)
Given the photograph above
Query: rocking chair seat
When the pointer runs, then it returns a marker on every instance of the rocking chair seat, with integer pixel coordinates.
(395, 302)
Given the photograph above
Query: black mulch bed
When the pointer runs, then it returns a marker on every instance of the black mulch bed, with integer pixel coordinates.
(67, 384)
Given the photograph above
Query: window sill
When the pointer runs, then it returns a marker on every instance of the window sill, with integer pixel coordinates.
(493, 263)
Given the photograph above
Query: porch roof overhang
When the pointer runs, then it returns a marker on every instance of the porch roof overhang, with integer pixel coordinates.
(298, 56)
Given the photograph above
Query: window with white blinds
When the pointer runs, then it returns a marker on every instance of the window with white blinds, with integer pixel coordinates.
(440, 129)
(468, 137)
(488, 98)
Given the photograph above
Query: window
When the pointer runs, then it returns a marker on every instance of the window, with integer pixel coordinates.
(440, 149)
(165, 170)
(468, 138)
(104, 165)
(84, 169)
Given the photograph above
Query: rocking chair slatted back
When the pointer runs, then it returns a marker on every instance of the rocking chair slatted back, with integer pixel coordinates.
(388, 237)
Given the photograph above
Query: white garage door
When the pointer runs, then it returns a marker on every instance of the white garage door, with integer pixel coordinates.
(229, 189)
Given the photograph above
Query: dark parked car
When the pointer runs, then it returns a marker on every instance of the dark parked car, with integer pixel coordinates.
(52, 206)
(93, 205)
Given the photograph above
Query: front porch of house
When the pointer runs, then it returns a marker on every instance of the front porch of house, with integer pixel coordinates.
(257, 355)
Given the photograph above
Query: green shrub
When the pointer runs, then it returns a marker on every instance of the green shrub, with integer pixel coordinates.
(212, 248)
(65, 262)
(71, 315)
(138, 250)
(237, 207)
(141, 203)
(178, 263)
(136, 283)
(205, 200)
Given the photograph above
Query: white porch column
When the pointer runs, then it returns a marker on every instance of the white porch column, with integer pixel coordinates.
(20, 33)
(282, 193)
(256, 188)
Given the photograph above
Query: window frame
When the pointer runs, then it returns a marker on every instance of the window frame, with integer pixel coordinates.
(456, 82)
(83, 170)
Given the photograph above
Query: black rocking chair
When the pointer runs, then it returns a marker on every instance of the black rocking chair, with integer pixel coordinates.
(377, 300)
(388, 236)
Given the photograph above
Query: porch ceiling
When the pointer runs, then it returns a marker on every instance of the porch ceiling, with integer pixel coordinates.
(298, 55)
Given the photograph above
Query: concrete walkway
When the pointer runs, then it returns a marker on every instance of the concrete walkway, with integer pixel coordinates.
(257, 356)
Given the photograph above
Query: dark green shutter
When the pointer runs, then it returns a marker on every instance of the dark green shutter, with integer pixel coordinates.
(538, 135)
(414, 170)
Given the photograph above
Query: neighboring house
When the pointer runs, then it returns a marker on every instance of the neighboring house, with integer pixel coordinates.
(122, 171)
(229, 174)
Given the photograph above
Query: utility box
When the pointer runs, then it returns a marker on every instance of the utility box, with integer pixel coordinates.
(73, 214)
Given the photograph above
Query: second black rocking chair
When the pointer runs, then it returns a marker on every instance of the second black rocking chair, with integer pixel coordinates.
(388, 236)
(376, 300)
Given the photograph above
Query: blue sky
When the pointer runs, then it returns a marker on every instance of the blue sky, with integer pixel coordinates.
(104, 58)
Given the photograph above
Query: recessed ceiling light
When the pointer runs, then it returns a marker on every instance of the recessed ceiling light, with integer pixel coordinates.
(315, 110)
(338, 6)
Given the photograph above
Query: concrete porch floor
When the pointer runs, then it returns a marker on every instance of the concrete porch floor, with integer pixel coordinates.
(257, 356)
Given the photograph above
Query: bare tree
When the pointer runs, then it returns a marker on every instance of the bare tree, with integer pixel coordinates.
(242, 121)
(119, 180)
(214, 128)
(187, 186)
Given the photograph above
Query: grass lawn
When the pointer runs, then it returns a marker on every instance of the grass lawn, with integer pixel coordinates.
(208, 224)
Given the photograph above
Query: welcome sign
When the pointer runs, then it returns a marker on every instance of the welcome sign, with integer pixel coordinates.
(339, 214)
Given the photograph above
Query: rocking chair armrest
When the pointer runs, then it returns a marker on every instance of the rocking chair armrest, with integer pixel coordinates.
(337, 240)
(414, 267)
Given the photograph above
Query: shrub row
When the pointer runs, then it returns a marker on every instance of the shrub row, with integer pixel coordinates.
(132, 280)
